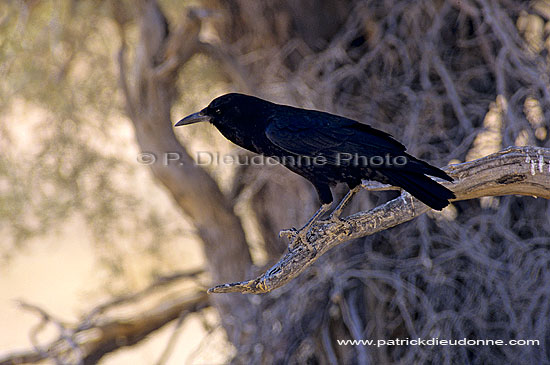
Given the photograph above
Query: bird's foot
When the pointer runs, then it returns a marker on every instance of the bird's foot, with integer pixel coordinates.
(335, 219)
(377, 186)
(288, 233)
(295, 236)
(331, 220)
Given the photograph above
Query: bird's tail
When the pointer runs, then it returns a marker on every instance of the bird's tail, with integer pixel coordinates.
(429, 192)
(419, 166)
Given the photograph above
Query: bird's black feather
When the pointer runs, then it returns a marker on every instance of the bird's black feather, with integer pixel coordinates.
(290, 133)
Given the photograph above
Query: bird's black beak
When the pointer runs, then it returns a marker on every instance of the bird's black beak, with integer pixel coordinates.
(194, 118)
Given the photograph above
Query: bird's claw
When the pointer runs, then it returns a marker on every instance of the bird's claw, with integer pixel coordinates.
(335, 219)
(332, 219)
(288, 233)
(295, 236)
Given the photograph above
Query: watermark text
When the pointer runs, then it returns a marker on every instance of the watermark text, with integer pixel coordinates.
(203, 158)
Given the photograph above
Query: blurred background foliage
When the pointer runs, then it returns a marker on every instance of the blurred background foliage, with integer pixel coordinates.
(67, 150)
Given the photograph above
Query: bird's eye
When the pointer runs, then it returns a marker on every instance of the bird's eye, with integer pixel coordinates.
(218, 111)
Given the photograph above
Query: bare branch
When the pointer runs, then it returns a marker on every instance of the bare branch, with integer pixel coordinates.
(95, 336)
(159, 283)
(119, 18)
(123, 79)
(451, 91)
(180, 46)
(173, 340)
(512, 171)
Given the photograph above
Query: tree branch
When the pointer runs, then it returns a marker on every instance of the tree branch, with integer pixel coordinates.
(103, 329)
(512, 171)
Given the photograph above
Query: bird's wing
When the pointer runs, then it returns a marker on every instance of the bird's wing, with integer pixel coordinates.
(322, 134)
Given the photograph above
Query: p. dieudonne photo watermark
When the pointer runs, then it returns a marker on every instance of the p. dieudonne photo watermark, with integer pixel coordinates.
(217, 158)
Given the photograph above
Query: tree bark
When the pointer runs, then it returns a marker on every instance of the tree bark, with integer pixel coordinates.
(149, 103)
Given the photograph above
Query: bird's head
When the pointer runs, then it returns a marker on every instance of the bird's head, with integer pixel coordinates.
(224, 108)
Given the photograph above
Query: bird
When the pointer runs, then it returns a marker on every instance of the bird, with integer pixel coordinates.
(324, 148)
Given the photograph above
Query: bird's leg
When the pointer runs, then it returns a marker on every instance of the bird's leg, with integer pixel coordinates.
(367, 185)
(335, 215)
(301, 233)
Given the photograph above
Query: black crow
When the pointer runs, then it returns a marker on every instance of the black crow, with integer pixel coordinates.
(324, 148)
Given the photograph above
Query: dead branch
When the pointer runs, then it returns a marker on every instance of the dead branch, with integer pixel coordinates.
(102, 330)
(512, 171)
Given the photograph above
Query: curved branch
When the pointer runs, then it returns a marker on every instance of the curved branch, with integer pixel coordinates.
(512, 171)
(103, 329)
